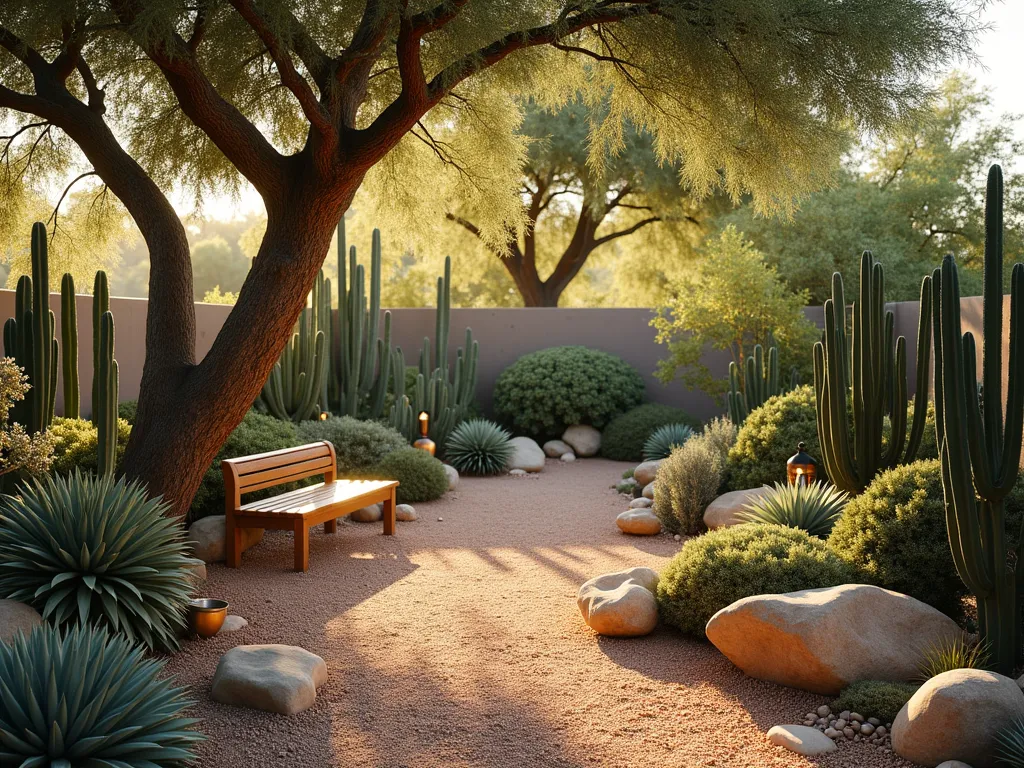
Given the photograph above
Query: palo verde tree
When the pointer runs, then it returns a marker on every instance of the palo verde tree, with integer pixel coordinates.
(303, 99)
(572, 207)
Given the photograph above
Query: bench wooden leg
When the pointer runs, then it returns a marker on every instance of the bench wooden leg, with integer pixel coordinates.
(233, 542)
(389, 514)
(330, 526)
(301, 531)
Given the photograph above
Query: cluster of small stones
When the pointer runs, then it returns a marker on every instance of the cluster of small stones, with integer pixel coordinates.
(850, 726)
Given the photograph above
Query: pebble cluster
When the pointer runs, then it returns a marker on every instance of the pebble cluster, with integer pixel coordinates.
(850, 726)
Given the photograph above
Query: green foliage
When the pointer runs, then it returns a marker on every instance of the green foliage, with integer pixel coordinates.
(769, 437)
(813, 508)
(875, 698)
(216, 265)
(20, 452)
(544, 392)
(624, 437)
(947, 655)
(126, 410)
(664, 440)
(92, 550)
(421, 476)
(761, 379)
(257, 433)
(75, 443)
(717, 569)
(479, 447)
(895, 535)
(81, 697)
(733, 302)
(216, 296)
(359, 445)
(691, 477)
(1011, 745)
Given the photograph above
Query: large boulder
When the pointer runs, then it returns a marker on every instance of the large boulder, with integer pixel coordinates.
(821, 640)
(639, 522)
(526, 455)
(17, 618)
(620, 604)
(556, 448)
(801, 739)
(208, 538)
(646, 472)
(725, 511)
(957, 715)
(274, 678)
(584, 440)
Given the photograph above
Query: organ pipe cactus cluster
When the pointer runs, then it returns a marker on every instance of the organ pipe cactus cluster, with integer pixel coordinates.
(105, 385)
(869, 371)
(980, 452)
(296, 387)
(69, 347)
(760, 381)
(100, 305)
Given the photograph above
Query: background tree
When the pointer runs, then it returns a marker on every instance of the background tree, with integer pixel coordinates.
(306, 99)
(733, 302)
(909, 198)
(214, 265)
(572, 206)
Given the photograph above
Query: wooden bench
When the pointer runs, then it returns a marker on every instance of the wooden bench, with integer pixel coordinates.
(301, 509)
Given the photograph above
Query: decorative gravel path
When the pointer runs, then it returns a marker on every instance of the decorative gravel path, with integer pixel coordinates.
(458, 643)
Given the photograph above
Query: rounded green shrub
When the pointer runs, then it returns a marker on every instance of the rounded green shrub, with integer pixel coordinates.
(688, 480)
(92, 550)
(895, 534)
(715, 570)
(544, 392)
(127, 410)
(75, 443)
(875, 698)
(359, 445)
(479, 447)
(624, 437)
(257, 433)
(421, 477)
(769, 437)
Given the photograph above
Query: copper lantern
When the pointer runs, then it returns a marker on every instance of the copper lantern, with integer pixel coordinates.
(801, 469)
(424, 443)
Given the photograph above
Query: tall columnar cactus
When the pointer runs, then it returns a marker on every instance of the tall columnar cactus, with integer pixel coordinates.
(295, 390)
(870, 371)
(69, 347)
(980, 453)
(760, 381)
(105, 413)
(359, 380)
(100, 306)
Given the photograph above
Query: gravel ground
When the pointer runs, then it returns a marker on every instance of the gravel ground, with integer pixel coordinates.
(458, 643)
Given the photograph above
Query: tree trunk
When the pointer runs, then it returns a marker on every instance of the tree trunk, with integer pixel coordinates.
(186, 412)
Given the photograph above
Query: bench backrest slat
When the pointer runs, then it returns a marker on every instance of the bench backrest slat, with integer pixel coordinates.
(265, 470)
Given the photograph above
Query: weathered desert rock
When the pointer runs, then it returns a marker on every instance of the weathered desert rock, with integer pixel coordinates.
(233, 623)
(957, 716)
(953, 764)
(584, 440)
(198, 572)
(208, 538)
(801, 739)
(370, 514)
(620, 604)
(17, 617)
(821, 640)
(406, 513)
(642, 503)
(453, 476)
(274, 678)
(726, 509)
(648, 492)
(568, 457)
(639, 522)
(526, 455)
(646, 472)
(556, 448)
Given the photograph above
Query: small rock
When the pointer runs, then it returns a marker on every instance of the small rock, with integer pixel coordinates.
(832, 733)
(649, 491)
(370, 514)
(556, 448)
(453, 476)
(646, 472)
(824, 711)
(856, 718)
(881, 730)
(802, 740)
(727, 509)
(568, 456)
(848, 732)
(620, 604)
(639, 522)
(953, 764)
(640, 503)
(867, 729)
(274, 678)
(406, 513)
(207, 536)
(874, 721)
(233, 623)
(17, 618)
(841, 723)
(845, 715)
(583, 440)
(517, 472)
(526, 455)
(440, 519)
(677, 537)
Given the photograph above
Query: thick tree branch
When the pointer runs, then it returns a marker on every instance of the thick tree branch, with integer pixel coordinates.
(627, 231)
(433, 19)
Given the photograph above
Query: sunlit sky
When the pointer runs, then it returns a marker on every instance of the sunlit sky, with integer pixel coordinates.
(998, 67)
